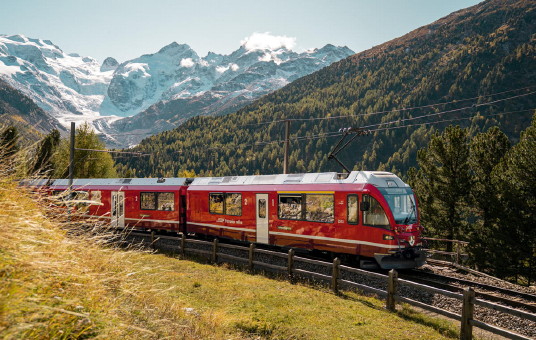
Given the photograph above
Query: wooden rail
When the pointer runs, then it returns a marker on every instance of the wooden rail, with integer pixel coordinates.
(392, 296)
(456, 255)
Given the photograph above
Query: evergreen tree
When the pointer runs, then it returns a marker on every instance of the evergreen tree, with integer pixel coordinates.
(486, 151)
(88, 164)
(443, 183)
(8, 141)
(514, 178)
(43, 163)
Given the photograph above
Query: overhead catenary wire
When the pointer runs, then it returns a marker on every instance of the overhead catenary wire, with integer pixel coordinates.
(392, 110)
(113, 151)
(338, 133)
(377, 125)
(457, 101)
(471, 107)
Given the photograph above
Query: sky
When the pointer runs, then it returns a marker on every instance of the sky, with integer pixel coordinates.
(126, 29)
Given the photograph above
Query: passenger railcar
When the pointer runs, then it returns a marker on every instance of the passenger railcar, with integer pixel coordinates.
(370, 216)
(147, 203)
(366, 215)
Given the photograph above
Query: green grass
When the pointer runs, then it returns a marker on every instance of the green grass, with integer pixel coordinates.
(54, 286)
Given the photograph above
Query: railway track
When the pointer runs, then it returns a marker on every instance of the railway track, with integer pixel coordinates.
(507, 297)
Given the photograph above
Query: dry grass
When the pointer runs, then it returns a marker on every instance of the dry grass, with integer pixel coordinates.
(54, 284)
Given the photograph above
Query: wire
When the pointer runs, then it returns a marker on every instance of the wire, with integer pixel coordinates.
(354, 115)
(113, 151)
(388, 123)
(337, 133)
(448, 111)
(389, 111)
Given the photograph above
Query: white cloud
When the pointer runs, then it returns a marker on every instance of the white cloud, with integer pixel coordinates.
(261, 41)
(221, 69)
(187, 62)
(233, 67)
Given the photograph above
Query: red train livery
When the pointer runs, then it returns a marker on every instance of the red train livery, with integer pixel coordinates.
(370, 216)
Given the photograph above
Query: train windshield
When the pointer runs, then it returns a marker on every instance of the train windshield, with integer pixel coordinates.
(402, 204)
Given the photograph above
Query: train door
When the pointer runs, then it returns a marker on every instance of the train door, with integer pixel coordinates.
(118, 209)
(262, 217)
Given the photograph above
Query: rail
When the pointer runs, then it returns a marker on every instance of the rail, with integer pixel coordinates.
(457, 256)
(391, 295)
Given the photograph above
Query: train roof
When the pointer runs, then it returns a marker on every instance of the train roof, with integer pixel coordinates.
(377, 178)
(81, 182)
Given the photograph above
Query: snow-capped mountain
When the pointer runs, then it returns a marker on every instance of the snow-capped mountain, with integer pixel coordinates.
(67, 86)
(154, 92)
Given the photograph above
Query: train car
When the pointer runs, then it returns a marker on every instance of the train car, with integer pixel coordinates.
(144, 203)
(370, 216)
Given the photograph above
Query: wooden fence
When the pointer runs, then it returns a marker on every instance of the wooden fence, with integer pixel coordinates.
(457, 256)
(392, 297)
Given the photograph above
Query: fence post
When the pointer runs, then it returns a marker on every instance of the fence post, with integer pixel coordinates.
(152, 240)
(251, 252)
(391, 290)
(335, 276)
(291, 265)
(458, 252)
(183, 244)
(215, 251)
(466, 331)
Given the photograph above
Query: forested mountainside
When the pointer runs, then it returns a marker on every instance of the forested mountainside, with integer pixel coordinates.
(20, 111)
(475, 67)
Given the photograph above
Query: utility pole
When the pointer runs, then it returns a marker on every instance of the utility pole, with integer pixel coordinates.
(285, 160)
(71, 157)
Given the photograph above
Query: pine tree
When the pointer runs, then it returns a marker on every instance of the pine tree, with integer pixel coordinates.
(486, 151)
(47, 147)
(443, 183)
(514, 178)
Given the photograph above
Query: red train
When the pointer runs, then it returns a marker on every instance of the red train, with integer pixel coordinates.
(370, 216)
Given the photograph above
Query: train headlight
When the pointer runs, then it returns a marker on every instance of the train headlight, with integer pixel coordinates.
(411, 240)
(388, 237)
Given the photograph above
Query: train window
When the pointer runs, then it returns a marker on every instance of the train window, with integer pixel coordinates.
(96, 196)
(319, 208)
(166, 201)
(375, 216)
(148, 201)
(262, 208)
(216, 203)
(290, 207)
(157, 201)
(81, 198)
(233, 204)
(352, 211)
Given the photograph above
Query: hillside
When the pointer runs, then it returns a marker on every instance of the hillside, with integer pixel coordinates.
(19, 110)
(482, 54)
(59, 285)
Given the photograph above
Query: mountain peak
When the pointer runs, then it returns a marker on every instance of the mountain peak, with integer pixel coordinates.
(17, 37)
(109, 64)
(174, 48)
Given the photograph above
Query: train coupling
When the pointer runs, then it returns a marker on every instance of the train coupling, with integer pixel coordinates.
(407, 258)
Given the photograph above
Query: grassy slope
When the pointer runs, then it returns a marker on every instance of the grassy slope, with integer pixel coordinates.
(55, 286)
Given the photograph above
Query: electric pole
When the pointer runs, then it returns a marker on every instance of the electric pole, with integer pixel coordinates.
(71, 157)
(285, 160)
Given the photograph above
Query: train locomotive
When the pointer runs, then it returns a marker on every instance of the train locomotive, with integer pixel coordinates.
(365, 216)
